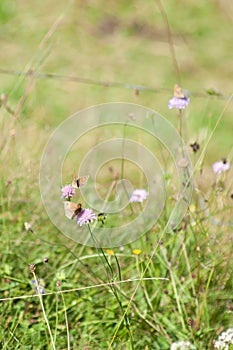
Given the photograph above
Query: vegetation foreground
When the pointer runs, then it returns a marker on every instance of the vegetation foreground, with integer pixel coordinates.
(165, 289)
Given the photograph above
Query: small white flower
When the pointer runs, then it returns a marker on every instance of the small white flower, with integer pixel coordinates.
(221, 166)
(224, 340)
(28, 227)
(138, 195)
(182, 345)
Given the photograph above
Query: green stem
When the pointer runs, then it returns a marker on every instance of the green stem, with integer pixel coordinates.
(174, 289)
(102, 256)
(113, 288)
(118, 267)
(43, 309)
(67, 324)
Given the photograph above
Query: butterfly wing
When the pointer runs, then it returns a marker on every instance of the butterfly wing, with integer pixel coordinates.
(79, 182)
(82, 181)
(71, 209)
(75, 182)
(178, 92)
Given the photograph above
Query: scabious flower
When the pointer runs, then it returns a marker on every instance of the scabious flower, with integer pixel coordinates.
(138, 195)
(224, 340)
(221, 166)
(178, 102)
(85, 216)
(67, 191)
(182, 345)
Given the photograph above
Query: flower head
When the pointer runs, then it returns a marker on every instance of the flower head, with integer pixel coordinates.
(85, 217)
(224, 340)
(178, 102)
(136, 251)
(110, 252)
(182, 345)
(221, 166)
(138, 195)
(192, 208)
(38, 286)
(67, 191)
(28, 227)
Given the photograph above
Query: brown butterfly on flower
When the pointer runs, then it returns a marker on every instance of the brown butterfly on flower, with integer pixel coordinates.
(79, 182)
(178, 92)
(72, 209)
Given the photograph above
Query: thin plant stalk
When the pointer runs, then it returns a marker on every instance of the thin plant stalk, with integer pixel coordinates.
(205, 297)
(189, 268)
(67, 323)
(43, 310)
(175, 289)
(123, 165)
(118, 267)
(114, 290)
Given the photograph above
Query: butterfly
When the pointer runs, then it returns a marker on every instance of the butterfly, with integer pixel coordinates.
(79, 182)
(72, 209)
(178, 92)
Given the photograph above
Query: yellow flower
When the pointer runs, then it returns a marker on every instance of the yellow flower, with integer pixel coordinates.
(137, 251)
(192, 208)
(110, 252)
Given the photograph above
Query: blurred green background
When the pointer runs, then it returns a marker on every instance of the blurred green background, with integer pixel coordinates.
(153, 44)
(99, 52)
(115, 41)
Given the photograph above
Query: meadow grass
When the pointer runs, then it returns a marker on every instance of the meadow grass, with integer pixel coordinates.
(175, 286)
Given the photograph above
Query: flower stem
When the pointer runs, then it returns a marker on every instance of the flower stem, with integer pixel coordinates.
(43, 309)
(110, 276)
